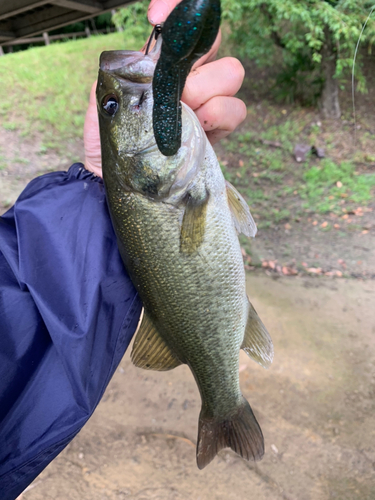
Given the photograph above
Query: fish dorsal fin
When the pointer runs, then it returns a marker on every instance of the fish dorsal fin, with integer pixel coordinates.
(150, 351)
(193, 224)
(257, 342)
(242, 218)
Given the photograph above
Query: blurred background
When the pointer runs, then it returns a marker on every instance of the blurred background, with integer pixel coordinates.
(304, 159)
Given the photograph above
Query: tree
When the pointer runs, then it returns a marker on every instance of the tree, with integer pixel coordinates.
(318, 36)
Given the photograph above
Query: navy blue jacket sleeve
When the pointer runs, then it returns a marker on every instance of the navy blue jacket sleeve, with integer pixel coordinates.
(68, 311)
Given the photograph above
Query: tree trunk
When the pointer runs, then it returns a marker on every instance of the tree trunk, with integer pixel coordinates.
(330, 104)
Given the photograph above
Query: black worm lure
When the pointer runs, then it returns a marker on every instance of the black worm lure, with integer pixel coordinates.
(188, 33)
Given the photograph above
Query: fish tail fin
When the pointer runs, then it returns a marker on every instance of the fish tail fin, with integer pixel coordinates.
(240, 431)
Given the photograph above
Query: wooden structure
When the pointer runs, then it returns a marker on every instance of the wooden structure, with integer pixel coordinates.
(20, 19)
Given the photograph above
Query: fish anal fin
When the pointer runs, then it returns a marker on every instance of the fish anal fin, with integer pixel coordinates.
(150, 351)
(240, 431)
(193, 224)
(242, 218)
(257, 342)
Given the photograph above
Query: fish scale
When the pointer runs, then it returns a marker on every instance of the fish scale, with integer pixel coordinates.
(189, 302)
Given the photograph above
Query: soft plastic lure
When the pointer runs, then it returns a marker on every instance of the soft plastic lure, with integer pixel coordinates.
(188, 33)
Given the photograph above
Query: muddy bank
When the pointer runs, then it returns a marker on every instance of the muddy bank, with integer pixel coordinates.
(315, 406)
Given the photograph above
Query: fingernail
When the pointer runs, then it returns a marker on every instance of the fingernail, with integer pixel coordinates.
(158, 12)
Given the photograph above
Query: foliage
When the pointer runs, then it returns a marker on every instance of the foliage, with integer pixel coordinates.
(295, 32)
(135, 17)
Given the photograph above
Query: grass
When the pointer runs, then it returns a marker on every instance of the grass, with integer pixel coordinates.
(328, 184)
(47, 88)
(259, 161)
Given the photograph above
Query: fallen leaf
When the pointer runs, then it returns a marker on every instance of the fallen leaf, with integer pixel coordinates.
(239, 175)
(339, 184)
(315, 270)
(325, 224)
(289, 271)
(342, 263)
(304, 264)
(288, 226)
(365, 231)
(264, 263)
(315, 223)
(336, 226)
(241, 163)
(338, 273)
(346, 216)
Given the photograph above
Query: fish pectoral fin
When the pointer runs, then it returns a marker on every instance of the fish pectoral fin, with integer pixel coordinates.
(150, 351)
(257, 342)
(242, 218)
(193, 223)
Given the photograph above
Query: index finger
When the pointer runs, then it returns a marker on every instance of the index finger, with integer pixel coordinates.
(158, 12)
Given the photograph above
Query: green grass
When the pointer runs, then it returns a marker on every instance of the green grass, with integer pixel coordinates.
(47, 88)
(261, 166)
(328, 184)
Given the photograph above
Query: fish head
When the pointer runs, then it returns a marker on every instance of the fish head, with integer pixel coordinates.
(129, 150)
(124, 100)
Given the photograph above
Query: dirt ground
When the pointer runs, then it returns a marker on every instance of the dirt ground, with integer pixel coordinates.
(315, 404)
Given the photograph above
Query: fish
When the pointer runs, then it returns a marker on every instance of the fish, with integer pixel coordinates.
(177, 223)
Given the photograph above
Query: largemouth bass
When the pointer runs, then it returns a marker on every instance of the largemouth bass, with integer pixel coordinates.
(177, 222)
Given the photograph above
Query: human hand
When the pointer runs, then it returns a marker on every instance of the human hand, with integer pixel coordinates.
(208, 91)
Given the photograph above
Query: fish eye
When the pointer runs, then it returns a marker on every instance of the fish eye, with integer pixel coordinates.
(110, 104)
